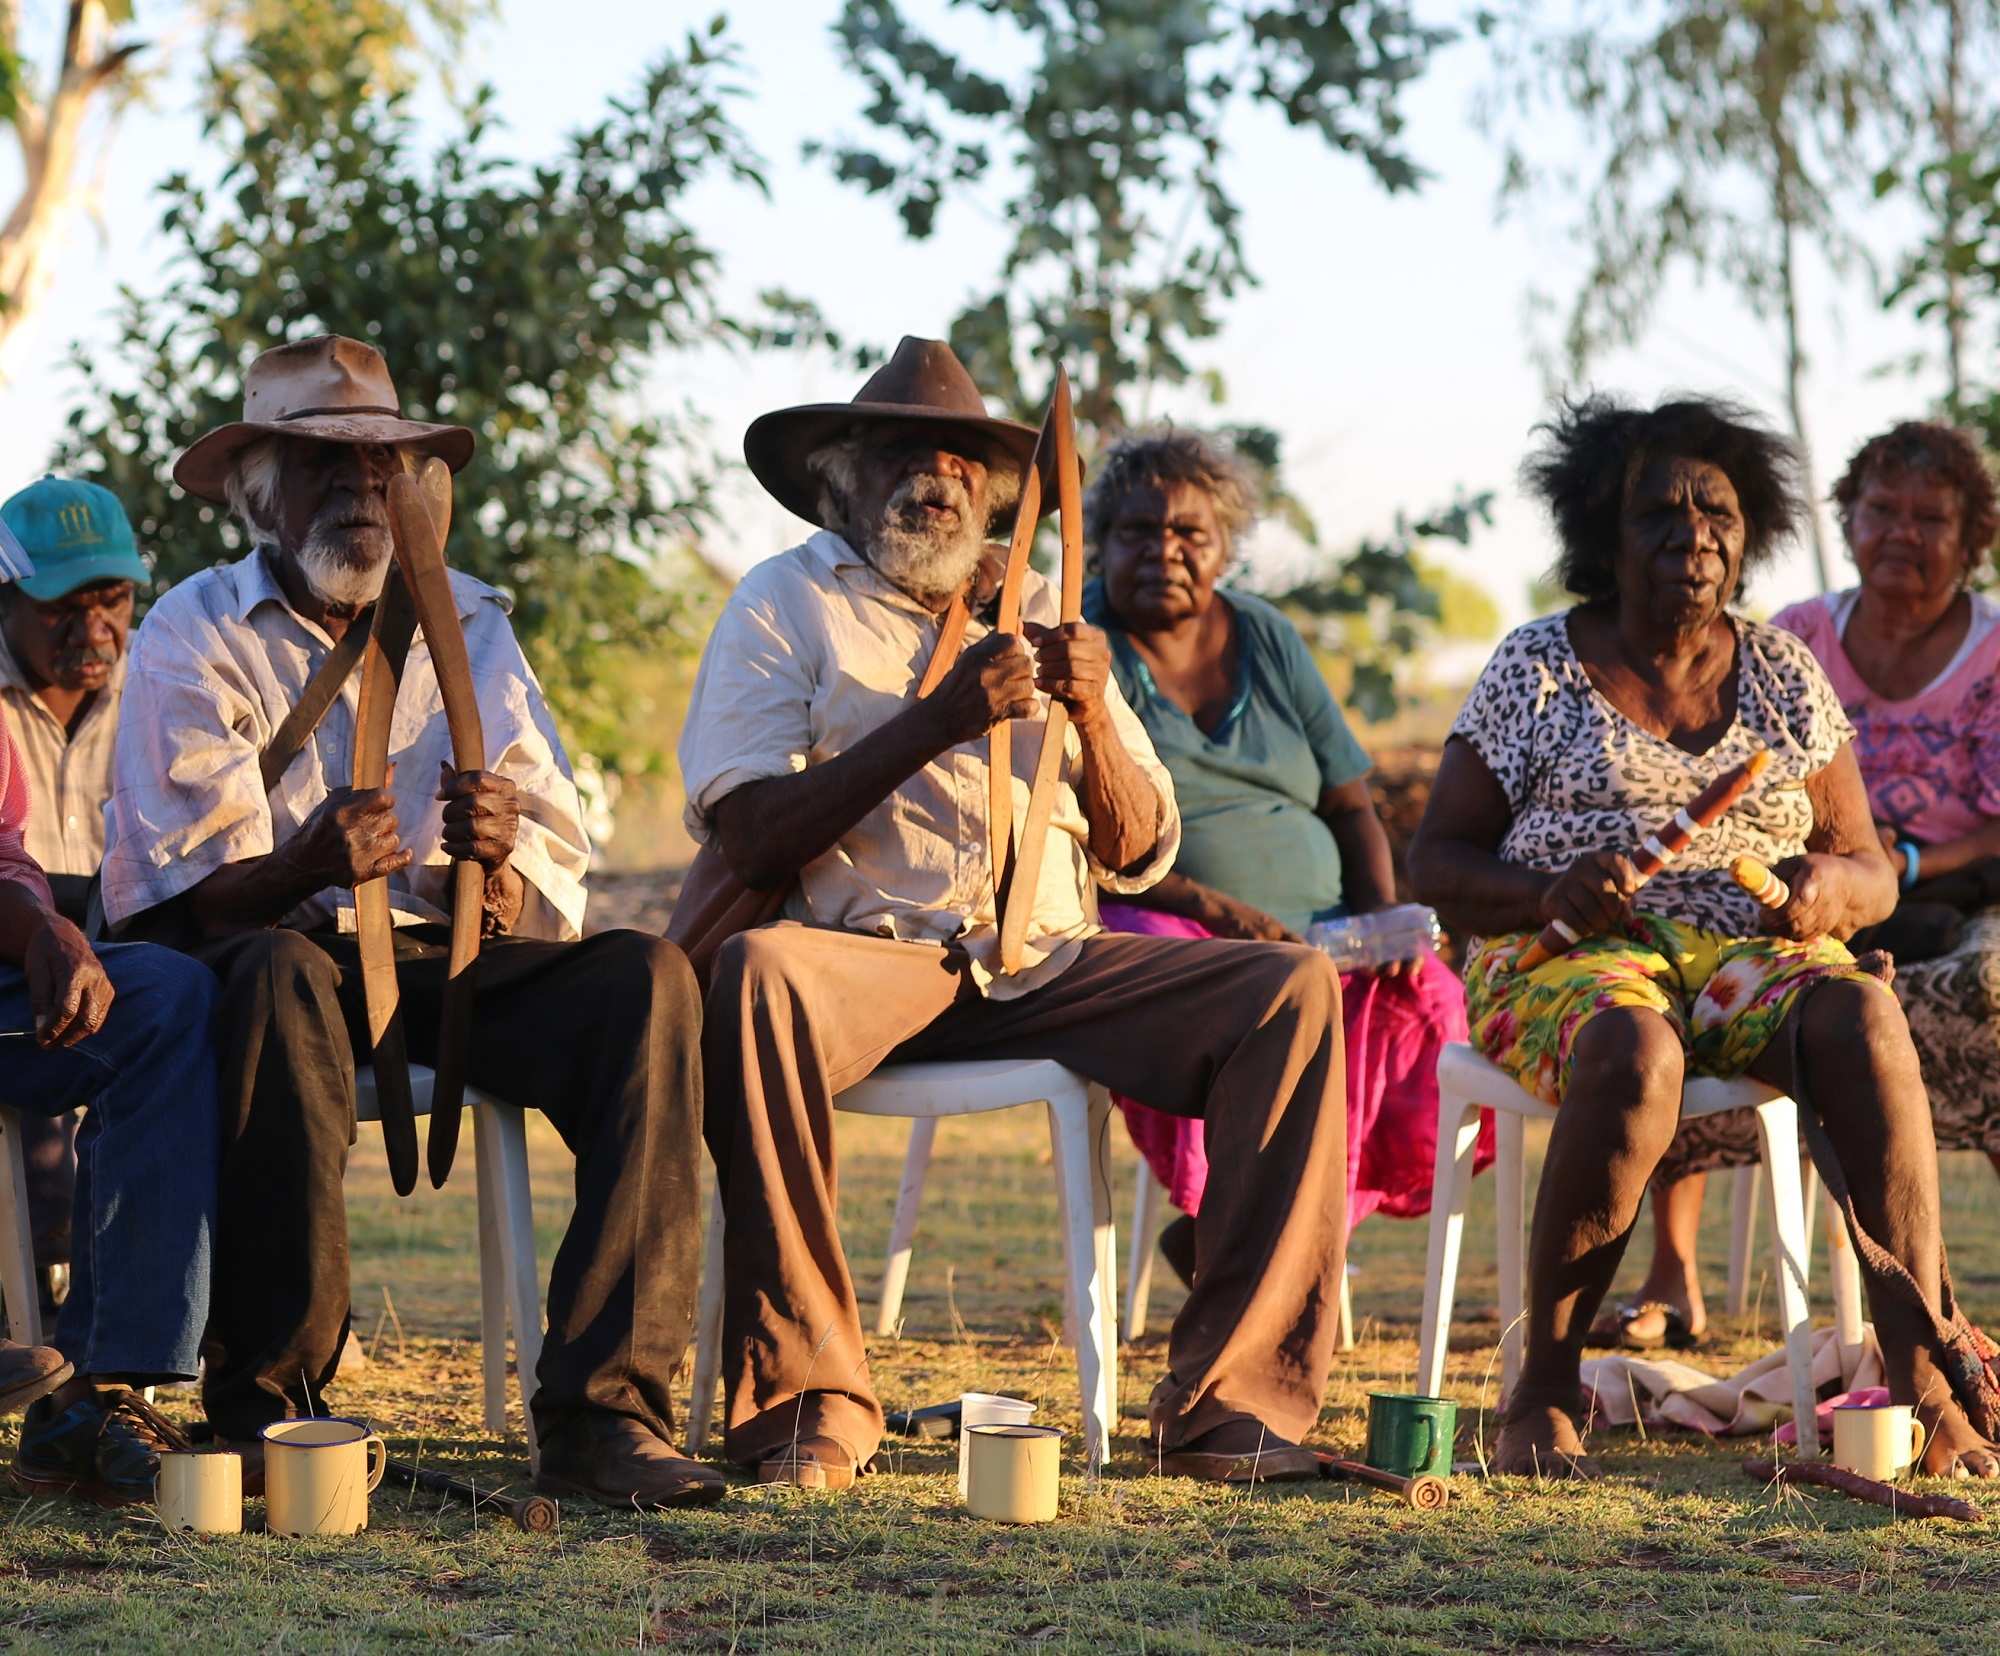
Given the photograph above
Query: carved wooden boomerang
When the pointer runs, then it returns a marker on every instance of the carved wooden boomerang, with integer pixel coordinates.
(381, 672)
(1018, 906)
(420, 552)
(1000, 739)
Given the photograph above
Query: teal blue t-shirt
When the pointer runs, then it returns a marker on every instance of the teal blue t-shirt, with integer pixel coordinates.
(1249, 792)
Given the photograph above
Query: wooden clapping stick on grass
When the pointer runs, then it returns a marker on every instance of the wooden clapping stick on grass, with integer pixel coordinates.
(1660, 847)
(1425, 1492)
(419, 538)
(1899, 1501)
(1019, 904)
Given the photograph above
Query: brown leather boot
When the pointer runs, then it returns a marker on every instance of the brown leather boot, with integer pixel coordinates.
(29, 1372)
(619, 1461)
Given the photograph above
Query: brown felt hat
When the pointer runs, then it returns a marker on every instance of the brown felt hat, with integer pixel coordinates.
(330, 389)
(923, 383)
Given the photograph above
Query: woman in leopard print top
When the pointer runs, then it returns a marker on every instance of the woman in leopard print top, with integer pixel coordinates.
(1586, 731)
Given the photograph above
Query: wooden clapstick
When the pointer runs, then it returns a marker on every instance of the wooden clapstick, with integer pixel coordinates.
(1660, 847)
(1770, 891)
(1424, 1492)
(1899, 1501)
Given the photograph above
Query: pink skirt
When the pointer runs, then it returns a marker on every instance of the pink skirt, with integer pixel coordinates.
(1394, 1028)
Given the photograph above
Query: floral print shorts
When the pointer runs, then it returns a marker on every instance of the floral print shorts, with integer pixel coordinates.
(1724, 996)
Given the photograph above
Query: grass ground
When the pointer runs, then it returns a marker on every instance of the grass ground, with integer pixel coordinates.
(1676, 1551)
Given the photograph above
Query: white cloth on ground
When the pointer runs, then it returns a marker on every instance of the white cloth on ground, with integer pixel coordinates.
(1665, 1392)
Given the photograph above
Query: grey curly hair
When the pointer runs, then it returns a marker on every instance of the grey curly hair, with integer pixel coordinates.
(1161, 458)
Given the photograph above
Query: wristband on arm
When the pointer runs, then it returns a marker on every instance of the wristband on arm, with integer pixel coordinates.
(1913, 859)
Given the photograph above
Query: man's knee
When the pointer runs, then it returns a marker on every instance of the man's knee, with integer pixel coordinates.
(651, 964)
(1304, 979)
(173, 992)
(278, 961)
(1628, 1060)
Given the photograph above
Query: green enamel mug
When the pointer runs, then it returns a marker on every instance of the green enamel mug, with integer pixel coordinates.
(1411, 1435)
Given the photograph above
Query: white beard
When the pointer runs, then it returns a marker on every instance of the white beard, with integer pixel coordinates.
(333, 573)
(934, 563)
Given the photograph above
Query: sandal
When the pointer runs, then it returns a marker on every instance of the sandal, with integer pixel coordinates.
(1617, 1331)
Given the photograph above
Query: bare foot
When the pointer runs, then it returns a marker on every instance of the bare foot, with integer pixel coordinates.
(1952, 1448)
(1540, 1440)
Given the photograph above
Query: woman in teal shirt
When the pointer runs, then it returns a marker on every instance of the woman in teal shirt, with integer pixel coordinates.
(1278, 828)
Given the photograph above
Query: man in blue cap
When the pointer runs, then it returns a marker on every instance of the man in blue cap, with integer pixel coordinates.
(62, 667)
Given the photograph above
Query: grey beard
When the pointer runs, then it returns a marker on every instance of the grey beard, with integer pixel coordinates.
(932, 568)
(335, 578)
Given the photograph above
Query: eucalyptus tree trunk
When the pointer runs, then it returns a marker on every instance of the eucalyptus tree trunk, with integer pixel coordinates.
(1783, 207)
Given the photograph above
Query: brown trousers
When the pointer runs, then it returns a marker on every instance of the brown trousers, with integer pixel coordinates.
(1244, 1035)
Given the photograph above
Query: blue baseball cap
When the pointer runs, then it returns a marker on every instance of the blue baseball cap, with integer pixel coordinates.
(74, 533)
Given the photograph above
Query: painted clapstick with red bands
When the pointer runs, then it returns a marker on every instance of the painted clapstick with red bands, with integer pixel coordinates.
(1660, 847)
(1769, 891)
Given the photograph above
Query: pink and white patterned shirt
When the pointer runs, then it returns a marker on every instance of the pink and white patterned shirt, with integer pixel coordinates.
(15, 863)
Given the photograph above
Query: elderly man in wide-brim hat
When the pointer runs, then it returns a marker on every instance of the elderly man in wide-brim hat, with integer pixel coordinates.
(599, 1033)
(810, 763)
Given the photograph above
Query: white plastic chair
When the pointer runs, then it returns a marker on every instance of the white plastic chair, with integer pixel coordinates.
(1466, 1082)
(509, 1284)
(17, 1239)
(1139, 1265)
(1079, 1133)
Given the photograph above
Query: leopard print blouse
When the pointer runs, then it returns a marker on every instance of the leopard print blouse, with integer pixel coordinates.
(1581, 776)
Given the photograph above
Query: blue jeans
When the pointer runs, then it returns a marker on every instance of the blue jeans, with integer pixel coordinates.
(142, 1239)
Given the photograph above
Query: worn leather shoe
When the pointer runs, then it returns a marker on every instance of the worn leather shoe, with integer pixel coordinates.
(621, 1462)
(28, 1372)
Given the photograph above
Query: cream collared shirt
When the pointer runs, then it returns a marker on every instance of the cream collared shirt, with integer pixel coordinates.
(814, 651)
(218, 663)
(69, 777)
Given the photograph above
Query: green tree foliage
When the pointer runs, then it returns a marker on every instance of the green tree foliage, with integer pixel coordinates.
(1724, 139)
(1109, 151)
(1377, 606)
(524, 302)
(1126, 241)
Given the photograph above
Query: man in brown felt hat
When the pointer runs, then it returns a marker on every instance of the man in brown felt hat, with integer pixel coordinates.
(600, 1033)
(807, 758)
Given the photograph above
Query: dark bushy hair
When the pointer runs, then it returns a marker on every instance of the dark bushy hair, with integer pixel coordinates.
(1932, 450)
(1161, 458)
(1592, 449)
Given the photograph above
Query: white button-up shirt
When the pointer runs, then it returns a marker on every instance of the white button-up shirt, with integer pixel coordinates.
(813, 652)
(218, 663)
(69, 776)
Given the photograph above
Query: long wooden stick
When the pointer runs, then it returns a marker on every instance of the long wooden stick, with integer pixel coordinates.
(1000, 739)
(381, 672)
(420, 551)
(1026, 874)
(1660, 847)
(1899, 1501)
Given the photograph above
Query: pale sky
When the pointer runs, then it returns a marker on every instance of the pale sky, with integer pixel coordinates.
(1386, 341)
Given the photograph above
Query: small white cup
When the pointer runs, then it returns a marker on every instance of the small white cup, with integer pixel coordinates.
(201, 1490)
(984, 1409)
(1880, 1441)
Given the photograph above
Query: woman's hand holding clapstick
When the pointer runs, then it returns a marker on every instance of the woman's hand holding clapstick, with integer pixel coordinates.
(1770, 891)
(1597, 890)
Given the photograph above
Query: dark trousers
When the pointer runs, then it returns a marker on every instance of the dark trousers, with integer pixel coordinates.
(602, 1036)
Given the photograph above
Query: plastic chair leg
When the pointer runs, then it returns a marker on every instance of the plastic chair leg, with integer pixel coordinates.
(1069, 1135)
(17, 1239)
(1451, 1186)
(1510, 1220)
(1343, 1317)
(1746, 1185)
(707, 1332)
(903, 1229)
(1844, 1272)
(492, 1273)
(524, 1282)
(1778, 1130)
(1106, 1289)
(1145, 1223)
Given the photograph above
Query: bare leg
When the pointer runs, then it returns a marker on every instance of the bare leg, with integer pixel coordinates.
(1863, 1079)
(1617, 1118)
(1673, 1278)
